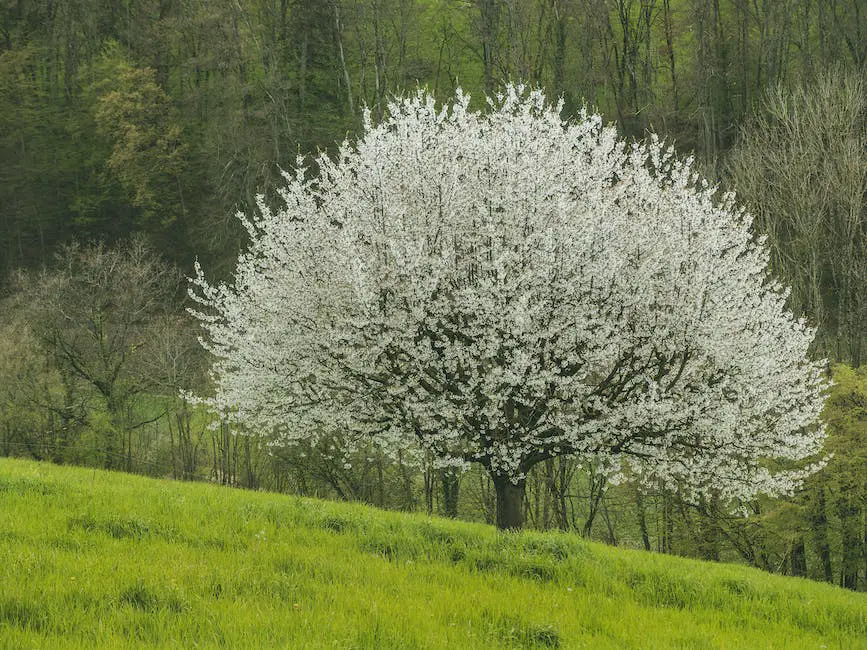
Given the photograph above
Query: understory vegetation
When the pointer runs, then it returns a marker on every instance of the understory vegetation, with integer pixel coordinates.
(115, 560)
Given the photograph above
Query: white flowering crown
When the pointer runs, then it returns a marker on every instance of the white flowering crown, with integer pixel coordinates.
(503, 287)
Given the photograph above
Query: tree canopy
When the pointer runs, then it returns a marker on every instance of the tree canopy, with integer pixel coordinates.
(505, 287)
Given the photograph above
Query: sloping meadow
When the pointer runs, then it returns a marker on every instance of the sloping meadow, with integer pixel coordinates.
(94, 559)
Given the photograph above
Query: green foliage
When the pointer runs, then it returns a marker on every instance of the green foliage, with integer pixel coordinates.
(846, 417)
(148, 153)
(841, 490)
(115, 560)
(168, 116)
(35, 417)
(37, 159)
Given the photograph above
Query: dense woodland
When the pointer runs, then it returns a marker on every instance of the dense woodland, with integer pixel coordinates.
(131, 133)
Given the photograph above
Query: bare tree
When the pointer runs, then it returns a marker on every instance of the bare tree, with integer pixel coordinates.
(801, 167)
(98, 314)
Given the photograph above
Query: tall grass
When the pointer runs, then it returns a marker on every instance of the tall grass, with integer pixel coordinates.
(92, 559)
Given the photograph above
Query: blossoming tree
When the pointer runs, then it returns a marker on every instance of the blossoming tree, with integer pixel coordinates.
(504, 287)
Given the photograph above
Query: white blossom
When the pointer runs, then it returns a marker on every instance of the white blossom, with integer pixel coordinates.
(505, 287)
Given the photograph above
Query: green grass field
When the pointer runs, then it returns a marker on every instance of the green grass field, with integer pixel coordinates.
(93, 559)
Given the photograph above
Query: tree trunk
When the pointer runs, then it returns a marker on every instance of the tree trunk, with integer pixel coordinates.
(557, 480)
(409, 500)
(819, 524)
(597, 490)
(114, 455)
(560, 47)
(450, 482)
(798, 562)
(428, 486)
(709, 535)
(488, 13)
(850, 518)
(510, 502)
(669, 44)
(172, 447)
(380, 480)
(642, 520)
(864, 541)
(338, 31)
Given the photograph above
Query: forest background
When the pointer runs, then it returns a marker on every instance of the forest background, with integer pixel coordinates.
(132, 131)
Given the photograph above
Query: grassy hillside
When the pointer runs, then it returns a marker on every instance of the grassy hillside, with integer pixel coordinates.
(93, 559)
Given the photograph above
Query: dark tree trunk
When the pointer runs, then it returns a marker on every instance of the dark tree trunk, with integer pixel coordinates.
(642, 520)
(557, 486)
(798, 562)
(709, 545)
(597, 490)
(428, 486)
(850, 517)
(489, 18)
(560, 47)
(409, 500)
(450, 481)
(865, 550)
(819, 523)
(114, 454)
(510, 503)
